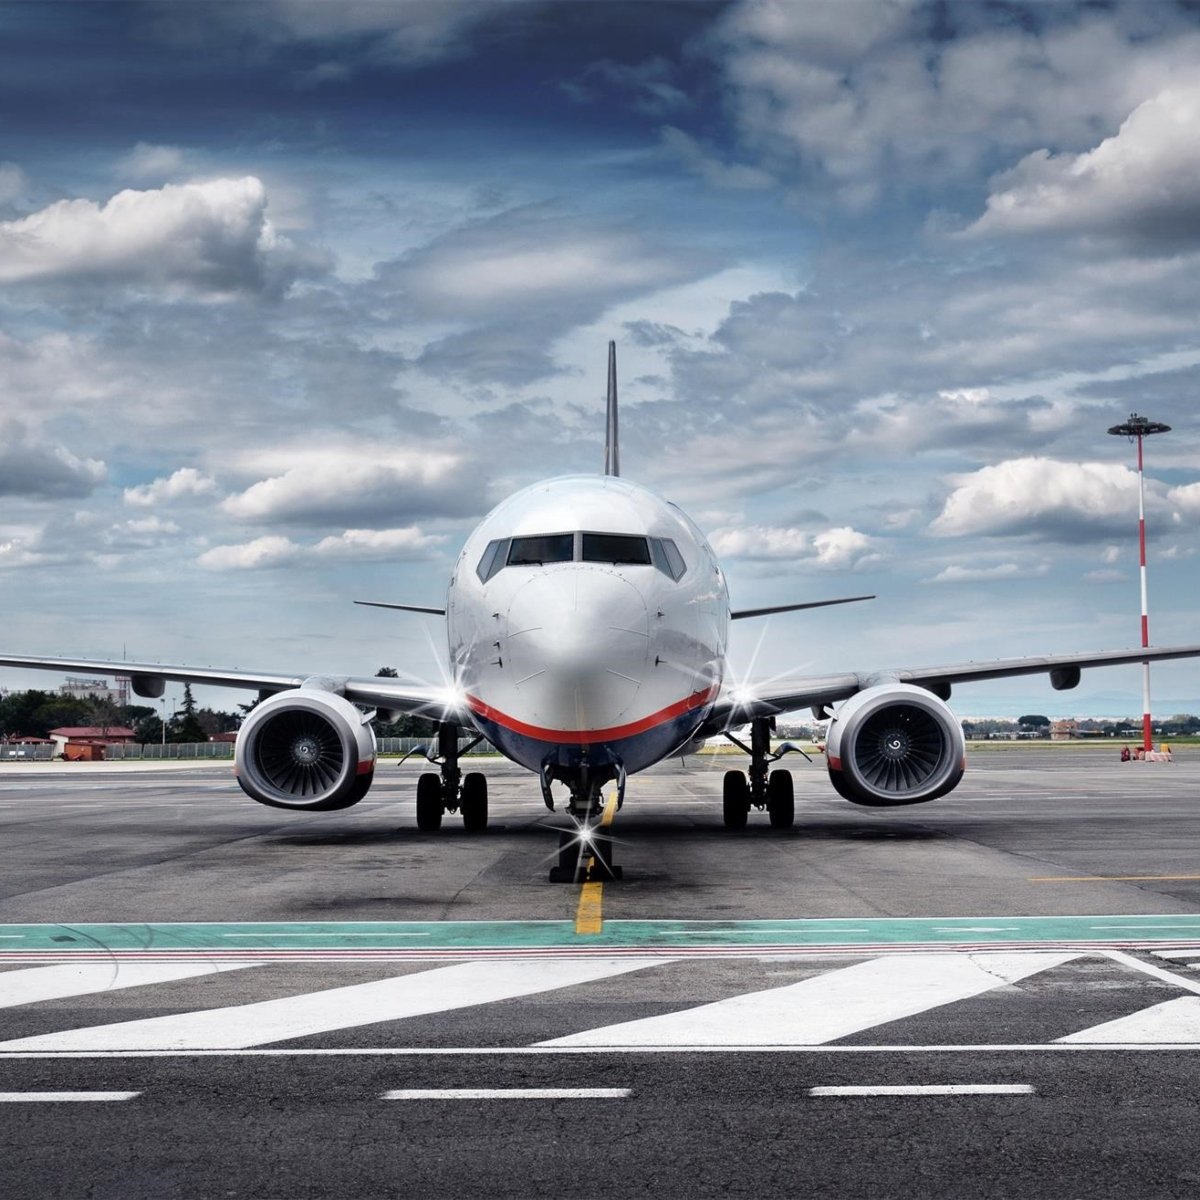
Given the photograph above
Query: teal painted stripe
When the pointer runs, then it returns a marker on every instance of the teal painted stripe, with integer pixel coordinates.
(452, 935)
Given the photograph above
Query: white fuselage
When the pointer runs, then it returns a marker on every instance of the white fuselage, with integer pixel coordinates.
(588, 622)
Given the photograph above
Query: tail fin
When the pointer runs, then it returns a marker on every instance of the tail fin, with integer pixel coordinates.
(612, 450)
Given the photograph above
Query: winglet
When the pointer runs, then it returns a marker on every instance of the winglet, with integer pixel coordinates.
(612, 451)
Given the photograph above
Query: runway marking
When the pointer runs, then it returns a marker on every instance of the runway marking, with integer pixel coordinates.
(826, 1007)
(241, 1026)
(589, 918)
(62, 1097)
(558, 1051)
(926, 1089)
(1171, 1021)
(546, 1093)
(37, 984)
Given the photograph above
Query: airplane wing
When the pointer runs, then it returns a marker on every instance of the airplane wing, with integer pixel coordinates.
(149, 680)
(737, 705)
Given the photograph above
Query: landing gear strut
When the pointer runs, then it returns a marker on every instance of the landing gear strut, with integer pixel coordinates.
(760, 787)
(448, 790)
(585, 850)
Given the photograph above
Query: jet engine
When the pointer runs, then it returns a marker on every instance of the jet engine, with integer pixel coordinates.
(306, 749)
(894, 744)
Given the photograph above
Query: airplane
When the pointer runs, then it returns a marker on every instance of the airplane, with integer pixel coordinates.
(587, 624)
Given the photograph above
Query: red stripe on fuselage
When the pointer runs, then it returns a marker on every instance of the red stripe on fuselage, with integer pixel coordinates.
(587, 736)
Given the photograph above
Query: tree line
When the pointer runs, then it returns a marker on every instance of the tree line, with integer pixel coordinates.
(33, 713)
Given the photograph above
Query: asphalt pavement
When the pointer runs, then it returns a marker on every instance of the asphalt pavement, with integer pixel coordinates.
(991, 995)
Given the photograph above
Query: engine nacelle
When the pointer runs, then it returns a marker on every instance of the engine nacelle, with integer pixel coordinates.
(306, 749)
(894, 744)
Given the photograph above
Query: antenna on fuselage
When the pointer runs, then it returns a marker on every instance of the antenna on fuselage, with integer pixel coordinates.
(612, 451)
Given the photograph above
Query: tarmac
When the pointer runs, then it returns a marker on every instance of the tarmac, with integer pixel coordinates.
(994, 994)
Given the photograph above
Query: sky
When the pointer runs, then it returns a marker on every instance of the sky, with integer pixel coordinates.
(292, 293)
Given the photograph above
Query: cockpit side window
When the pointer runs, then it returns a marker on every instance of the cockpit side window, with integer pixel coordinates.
(492, 560)
(668, 559)
(618, 548)
(541, 548)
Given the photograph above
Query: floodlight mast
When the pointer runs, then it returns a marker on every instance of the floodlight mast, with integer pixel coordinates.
(1137, 428)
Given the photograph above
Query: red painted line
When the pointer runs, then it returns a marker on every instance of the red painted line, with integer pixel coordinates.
(587, 736)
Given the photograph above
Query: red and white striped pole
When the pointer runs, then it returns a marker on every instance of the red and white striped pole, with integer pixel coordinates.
(1138, 428)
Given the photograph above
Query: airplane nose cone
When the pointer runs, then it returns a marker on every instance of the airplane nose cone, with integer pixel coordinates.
(576, 648)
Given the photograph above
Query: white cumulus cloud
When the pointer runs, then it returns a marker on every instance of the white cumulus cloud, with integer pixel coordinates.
(1041, 496)
(1140, 183)
(187, 482)
(147, 162)
(352, 545)
(359, 482)
(842, 548)
(212, 237)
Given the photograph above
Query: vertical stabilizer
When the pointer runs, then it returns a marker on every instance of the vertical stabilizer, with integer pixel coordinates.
(612, 450)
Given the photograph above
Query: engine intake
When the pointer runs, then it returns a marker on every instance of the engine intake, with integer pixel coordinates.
(894, 744)
(306, 749)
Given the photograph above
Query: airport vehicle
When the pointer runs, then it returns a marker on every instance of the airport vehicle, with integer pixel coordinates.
(587, 622)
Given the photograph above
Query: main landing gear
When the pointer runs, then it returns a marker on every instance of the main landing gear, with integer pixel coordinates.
(760, 787)
(448, 790)
(585, 851)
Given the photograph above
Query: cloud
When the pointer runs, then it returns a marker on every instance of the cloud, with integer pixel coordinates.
(14, 183)
(864, 96)
(210, 237)
(147, 162)
(649, 87)
(354, 545)
(356, 482)
(1040, 496)
(411, 33)
(1008, 570)
(187, 482)
(842, 548)
(1186, 499)
(44, 470)
(1139, 185)
(705, 163)
(270, 551)
(538, 258)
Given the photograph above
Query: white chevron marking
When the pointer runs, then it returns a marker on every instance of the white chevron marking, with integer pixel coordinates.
(37, 984)
(1171, 1021)
(238, 1027)
(830, 1006)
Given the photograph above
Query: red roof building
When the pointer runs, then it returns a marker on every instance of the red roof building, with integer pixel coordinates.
(104, 735)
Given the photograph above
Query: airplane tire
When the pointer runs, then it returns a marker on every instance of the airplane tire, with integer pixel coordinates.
(473, 803)
(781, 800)
(736, 806)
(429, 802)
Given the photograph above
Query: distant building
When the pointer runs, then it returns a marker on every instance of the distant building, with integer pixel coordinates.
(97, 689)
(88, 741)
(1063, 731)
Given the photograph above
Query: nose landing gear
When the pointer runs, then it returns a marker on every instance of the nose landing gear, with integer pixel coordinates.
(585, 851)
(448, 790)
(760, 787)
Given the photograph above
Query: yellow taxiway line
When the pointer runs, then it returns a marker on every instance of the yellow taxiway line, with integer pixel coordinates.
(588, 916)
(1104, 878)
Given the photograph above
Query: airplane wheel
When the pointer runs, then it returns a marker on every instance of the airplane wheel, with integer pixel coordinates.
(429, 802)
(736, 800)
(473, 802)
(781, 802)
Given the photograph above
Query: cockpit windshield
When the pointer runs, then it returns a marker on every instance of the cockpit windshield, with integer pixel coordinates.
(543, 548)
(617, 549)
